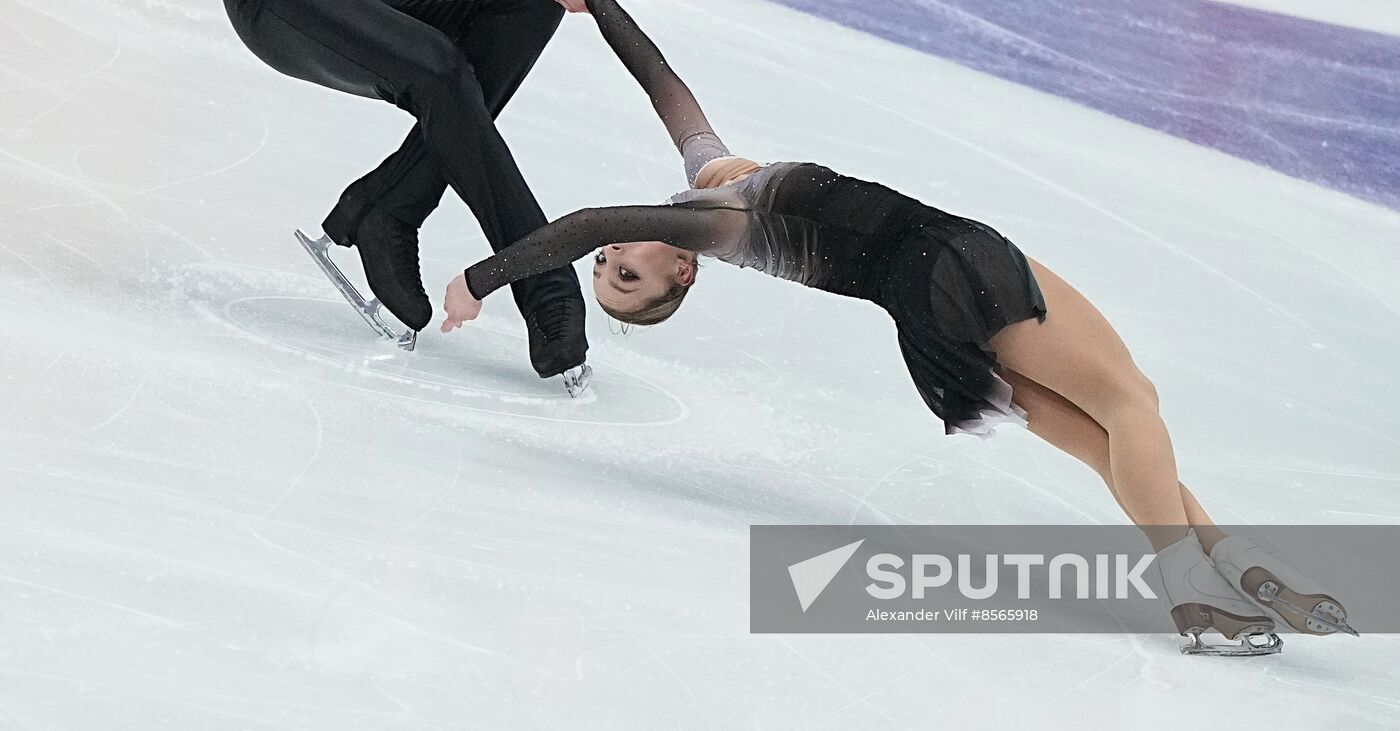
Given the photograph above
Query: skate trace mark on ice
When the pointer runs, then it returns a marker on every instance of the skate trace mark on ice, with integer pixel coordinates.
(483, 373)
(575, 379)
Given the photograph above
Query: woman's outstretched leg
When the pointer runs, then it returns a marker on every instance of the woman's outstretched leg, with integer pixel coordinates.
(1065, 426)
(1078, 355)
(1201, 521)
(1075, 354)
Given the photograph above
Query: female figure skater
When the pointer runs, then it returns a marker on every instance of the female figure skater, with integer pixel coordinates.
(453, 65)
(987, 333)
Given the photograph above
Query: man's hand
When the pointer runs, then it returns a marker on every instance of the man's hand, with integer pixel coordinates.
(459, 304)
(574, 6)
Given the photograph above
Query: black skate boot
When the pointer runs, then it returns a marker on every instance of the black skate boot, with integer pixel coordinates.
(558, 344)
(388, 250)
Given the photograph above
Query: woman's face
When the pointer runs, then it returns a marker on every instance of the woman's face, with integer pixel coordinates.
(628, 277)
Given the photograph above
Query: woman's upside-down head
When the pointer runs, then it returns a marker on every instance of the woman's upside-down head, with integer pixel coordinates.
(644, 282)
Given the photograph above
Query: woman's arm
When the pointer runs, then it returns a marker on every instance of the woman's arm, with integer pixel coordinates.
(699, 229)
(702, 230)
(684, 119)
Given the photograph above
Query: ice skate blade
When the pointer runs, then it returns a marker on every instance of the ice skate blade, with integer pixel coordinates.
(368, 309)
(1273, 645)
(1327, 616)
(576, 380)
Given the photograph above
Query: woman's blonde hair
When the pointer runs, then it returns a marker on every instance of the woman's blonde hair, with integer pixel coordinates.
(660, 309)
(714, 174)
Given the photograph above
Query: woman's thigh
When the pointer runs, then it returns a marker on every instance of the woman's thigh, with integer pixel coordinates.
(1075, 352)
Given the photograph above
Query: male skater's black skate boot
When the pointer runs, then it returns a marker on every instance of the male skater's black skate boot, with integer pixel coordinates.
(558, 344)
(388, 251)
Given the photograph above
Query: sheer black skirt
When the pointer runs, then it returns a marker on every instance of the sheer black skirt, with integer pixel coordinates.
(950, 283)
(948, 297)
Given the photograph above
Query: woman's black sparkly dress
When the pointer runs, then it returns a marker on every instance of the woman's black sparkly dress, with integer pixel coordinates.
(950, 283)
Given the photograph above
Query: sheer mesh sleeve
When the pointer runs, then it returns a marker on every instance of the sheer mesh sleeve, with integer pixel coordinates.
(708, 230)
(672, 99)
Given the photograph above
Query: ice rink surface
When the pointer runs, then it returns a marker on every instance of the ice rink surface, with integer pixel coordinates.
(223, 506)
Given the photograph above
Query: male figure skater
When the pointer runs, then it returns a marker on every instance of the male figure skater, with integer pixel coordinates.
(453, 65)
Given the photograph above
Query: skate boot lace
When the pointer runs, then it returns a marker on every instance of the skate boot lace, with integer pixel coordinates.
(403, 253)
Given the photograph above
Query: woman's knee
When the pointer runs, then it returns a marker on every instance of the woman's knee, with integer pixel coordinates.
(1124, 401)
(1150, 391)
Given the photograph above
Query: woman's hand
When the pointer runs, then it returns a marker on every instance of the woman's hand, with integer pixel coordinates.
(574, 6)
(459, 304)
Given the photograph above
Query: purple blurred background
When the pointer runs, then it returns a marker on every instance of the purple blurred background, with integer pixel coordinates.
(1312, 100)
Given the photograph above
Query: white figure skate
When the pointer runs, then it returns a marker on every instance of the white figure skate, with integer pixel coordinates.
(1281, 591)
(1203, 600)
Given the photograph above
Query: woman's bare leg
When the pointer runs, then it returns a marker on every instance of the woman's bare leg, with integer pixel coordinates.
(1205, 527)
(1078, 355)
(1065, 426)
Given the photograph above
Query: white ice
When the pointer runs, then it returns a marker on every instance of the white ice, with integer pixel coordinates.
(222, 506)
(1381, 16)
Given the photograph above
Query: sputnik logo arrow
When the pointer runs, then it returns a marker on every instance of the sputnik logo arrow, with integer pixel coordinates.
(811, 577)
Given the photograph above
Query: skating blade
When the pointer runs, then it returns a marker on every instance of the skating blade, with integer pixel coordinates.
(576, 380)
(319, 249)
(1273, 645)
